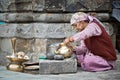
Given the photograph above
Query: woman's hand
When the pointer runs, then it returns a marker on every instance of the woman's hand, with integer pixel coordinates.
(67, 40)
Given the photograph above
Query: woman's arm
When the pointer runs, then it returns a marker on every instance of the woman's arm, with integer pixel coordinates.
(91, 30)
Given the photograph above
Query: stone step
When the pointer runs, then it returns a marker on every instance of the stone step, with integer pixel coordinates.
(57, 66)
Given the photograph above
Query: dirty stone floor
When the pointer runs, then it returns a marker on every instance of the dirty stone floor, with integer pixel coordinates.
(80, 75)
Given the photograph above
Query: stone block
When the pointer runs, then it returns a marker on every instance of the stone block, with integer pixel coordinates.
(69, 31)
(6, 45)
(55, 17)
(25, 45)
(52, 17)
(3, 59)
(7, 5)
(5, 49)
(75, 5)
(15, 5)
(58, 17)
(8, 30)
(40, 30)
(49, 30)
(67, 17)
(16, 17)
(87, 5)
(55, 31)
(2, 16)
(24, 30)
(24, 17)
(104, 6)
(61, 30)
(97, 5)
(57, 66)
(11, 17)
(52, 30)
(48, 17)
(38, 5)
(23, 5)
(40, 17)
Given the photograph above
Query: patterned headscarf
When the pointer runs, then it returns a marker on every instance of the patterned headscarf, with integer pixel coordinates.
(80, 16)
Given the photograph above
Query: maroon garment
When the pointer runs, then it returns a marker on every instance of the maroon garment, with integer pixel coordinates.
(101, 45)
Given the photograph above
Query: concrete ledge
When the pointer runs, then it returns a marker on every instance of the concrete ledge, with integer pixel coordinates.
(57, 66)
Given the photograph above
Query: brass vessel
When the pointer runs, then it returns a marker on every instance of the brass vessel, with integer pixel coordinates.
(16, 64)
(65, 50)
(16, 59)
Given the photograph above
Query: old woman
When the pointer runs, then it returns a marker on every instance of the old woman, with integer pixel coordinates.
(96, 51)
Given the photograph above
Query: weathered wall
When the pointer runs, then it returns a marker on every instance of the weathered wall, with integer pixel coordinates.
(39, 23)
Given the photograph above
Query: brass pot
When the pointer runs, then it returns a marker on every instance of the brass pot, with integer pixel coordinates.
(15, 67)
(16, 64)
(64, 49)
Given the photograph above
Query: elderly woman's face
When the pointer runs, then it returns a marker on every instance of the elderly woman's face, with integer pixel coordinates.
(79, 26)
